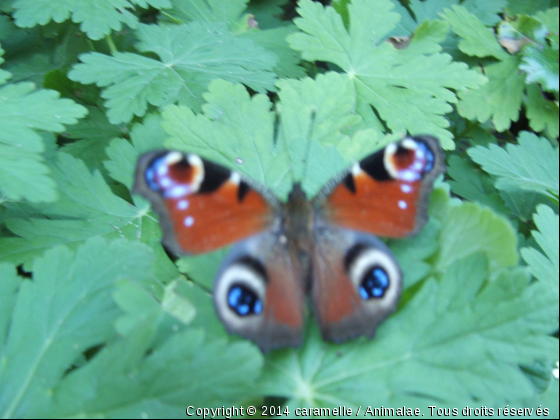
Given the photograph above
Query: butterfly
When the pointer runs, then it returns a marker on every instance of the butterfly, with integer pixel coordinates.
(325, 248)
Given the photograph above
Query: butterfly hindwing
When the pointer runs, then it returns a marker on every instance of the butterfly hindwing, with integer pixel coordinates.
(202, 206)
(259, 293)
(356, 283)
(386, 193)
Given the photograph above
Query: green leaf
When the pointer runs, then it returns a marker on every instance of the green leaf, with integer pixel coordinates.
(315, 116)
(187, 369)
(268, 13)
(9, 285)
(457, 341)
(61, 313)
(414, 254)
(532, 165)
(487, 11)
(477, 40)
(4, 75)
(516, 7)
(123, 154)
(274, 40)
(234, 130)
(418, 80)
(471, 183)
(30, 68)
(428, 10)
(541, 65)
(96, 17)
(467, 229)
(545, 267)
(23, 110)
(207, 10)
(542, 113)
(86, 208)
(181, 74)
(500, 100)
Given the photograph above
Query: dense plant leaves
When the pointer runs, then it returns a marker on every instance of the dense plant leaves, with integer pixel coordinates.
(249, 26)
(96, 17)
(515, 7)
(188, 369)
(86, 208)
(418, 79)
(52, 319)
(500, 100)
(545, 267)
(543, 113)
(182, 72)
(471, 183)
(541, 64)
(23, 111)
(531, 165)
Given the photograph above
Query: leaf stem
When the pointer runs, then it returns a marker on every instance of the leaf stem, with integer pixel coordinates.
(173, 19)
(111, 43)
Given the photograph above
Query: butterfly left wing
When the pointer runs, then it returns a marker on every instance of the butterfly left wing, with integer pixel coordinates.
(356, 283)
(202, 206)
(387, 193)
(259, 293)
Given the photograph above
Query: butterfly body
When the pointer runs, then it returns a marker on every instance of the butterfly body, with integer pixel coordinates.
(325, 248)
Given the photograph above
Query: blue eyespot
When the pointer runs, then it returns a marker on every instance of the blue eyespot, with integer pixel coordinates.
(244, 301)
(151, 172)
(429, 157)
(374, 284)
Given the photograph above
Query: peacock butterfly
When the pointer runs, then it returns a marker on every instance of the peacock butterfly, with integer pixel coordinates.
(325, 247)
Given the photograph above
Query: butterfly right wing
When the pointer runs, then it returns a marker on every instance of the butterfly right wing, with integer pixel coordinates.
(387, 193)
(356, 283)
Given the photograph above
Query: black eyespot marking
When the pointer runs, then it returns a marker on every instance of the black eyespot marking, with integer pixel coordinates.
(243, 301)
(255, 265)
(374, 166)
(214, 177)
(352, 254)
(374, 283)
(242, 191)
(348, 182)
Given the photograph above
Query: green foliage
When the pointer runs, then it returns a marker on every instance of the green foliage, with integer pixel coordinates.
(97, 18)
(544, 268)
(183, 73)
(530, 165)
(523, 56)
(23, 111)
(98, 320)
(418, 79)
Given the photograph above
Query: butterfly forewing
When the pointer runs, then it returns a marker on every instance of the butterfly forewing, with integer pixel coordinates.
(202, 206)
(387, 193)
